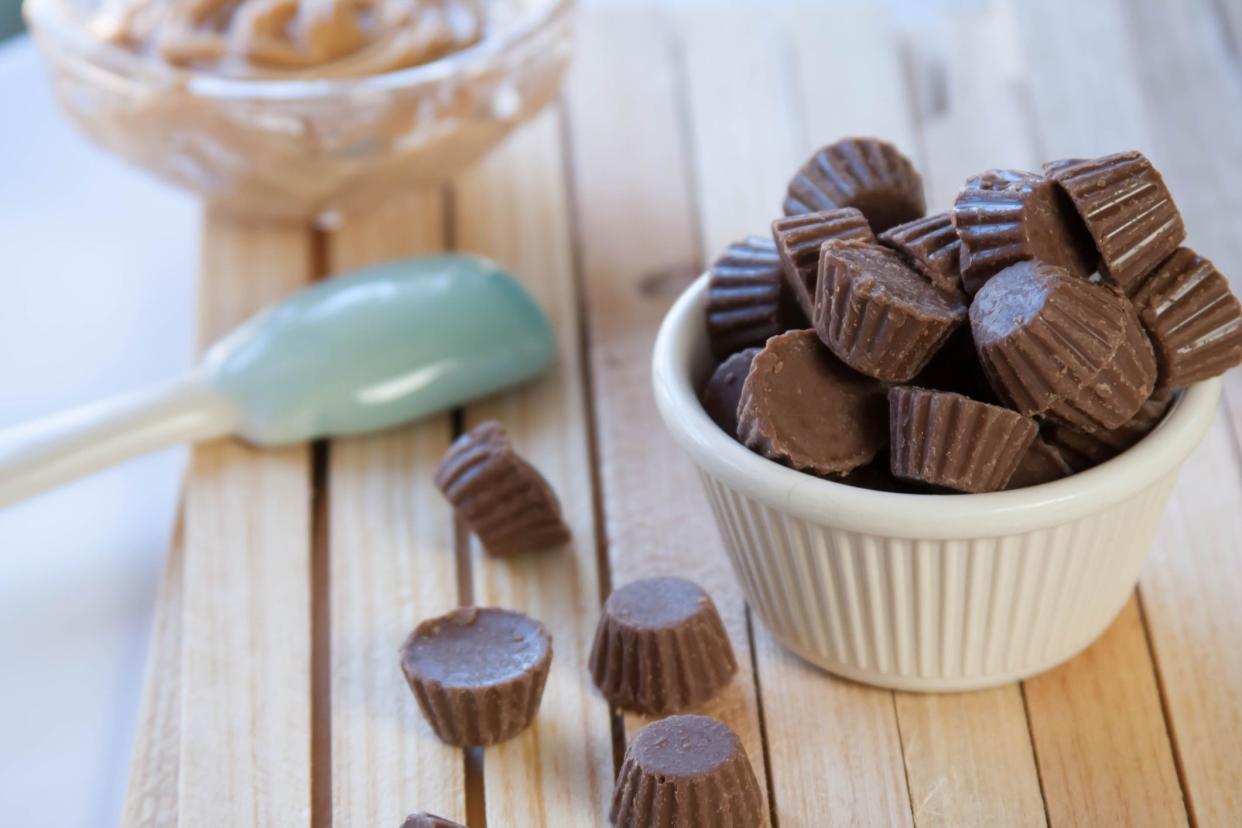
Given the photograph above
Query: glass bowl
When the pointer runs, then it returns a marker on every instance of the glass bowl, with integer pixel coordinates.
(306, 148)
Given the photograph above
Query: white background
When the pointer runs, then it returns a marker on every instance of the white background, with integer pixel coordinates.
(96, 270)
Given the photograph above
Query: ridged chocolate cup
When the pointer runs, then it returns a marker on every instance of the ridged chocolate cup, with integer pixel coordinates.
(723, 392)
(425, 820)
(1193, 318)
(1127, 209)
(1042, 463)
(660, 647)
(877, 315)
(686, 772)
(1114, 395)
(498, 495)
(866, 173)
(930, 245)
(944, 439)
(1082, 449)
(1043, 334)
(748, 298)
(1006, 216)
(478, 673)
(804, 408)
(799, 239)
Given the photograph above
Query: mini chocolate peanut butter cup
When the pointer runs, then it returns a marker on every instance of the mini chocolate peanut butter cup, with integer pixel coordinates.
(1114, 395)
(425, 820)
(748, 298)
(660, 647)
(944, 439)
(1194, 320)
(866, 173)
(723, 391)
(930, 245)
(498, 495)
(1082, 449)
(803, 407)
(686, 772)
(1042, 463)
(1006, 216)
(478, 673)
(1043, 334)
(799, 239)
(1127, 209)
(877, 315)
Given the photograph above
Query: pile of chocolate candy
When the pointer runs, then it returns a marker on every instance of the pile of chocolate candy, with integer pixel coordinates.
(1038, 328)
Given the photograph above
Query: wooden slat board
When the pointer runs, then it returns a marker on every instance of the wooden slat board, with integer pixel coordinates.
(393, 562)
(564, 764)
(274, 694)
(246, 621)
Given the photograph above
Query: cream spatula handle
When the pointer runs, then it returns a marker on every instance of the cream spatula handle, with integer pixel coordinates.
(39, 455)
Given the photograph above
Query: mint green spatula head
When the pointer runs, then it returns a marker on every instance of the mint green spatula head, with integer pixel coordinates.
(379, 347)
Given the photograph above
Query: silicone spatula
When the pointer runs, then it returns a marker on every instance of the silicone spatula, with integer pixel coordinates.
(356, 353)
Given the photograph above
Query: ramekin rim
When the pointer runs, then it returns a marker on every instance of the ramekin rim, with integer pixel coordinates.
(913, 516)
(43, 13)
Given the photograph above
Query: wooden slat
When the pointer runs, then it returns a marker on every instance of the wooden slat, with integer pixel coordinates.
(1192, 587)
(151, 799)
(514, 208)
(1116, 82)
(746, 140)
(245, 693)
(1104, 753)
(392, 564)
(968, 758)
(656, 519)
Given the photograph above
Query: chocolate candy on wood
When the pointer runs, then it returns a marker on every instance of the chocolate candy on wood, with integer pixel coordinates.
(1006, 216)
(478, 673)
(748, 298)
(498, 495)
(930, 245)
(686, 772)
(1127, 209)
(944, 439)
(425, 820)
(723, 391)
(877, 315)
(799, 239)
(866, 173)
(1194, 320)
(661, 647)
(803, 407)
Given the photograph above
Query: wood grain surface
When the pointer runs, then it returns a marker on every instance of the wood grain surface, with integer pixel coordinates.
(245, 602)
(392, 562)
(274, 696)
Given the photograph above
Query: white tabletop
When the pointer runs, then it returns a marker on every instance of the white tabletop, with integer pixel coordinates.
(97, 266)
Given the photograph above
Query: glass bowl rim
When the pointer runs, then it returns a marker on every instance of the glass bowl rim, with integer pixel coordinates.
(118, 65)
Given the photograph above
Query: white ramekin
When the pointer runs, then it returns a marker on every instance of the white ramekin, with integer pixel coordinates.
(924, 592)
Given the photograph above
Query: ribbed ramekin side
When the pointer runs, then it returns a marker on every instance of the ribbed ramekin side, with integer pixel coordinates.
(936, 614)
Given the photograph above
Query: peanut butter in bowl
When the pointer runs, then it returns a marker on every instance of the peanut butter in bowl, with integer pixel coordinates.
(301, 108)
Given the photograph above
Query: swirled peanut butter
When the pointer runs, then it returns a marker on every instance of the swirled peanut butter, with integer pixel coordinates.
(288, 38)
